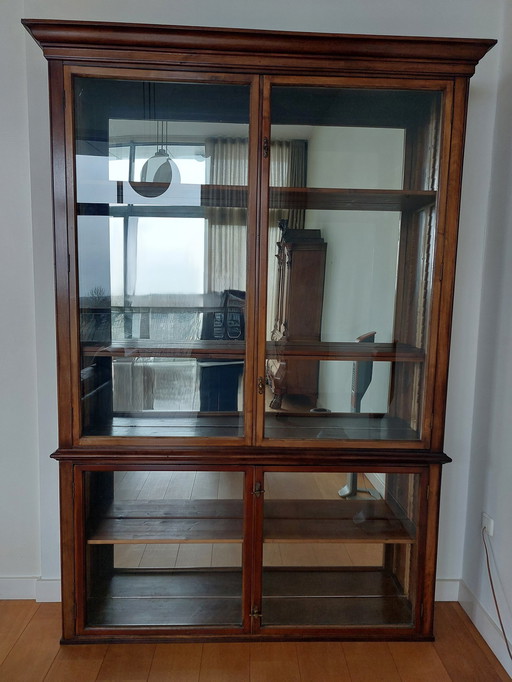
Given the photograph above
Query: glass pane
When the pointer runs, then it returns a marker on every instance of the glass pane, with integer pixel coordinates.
(317, 399)
(164, 548)
(340, 549)
(351, 232)
(161, 188)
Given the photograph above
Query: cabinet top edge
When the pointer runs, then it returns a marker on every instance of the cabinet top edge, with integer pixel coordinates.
(119, 35)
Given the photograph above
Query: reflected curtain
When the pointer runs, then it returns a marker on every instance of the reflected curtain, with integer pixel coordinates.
(227, 222)
(288, 168)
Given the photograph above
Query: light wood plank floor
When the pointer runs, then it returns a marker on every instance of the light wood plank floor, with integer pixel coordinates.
(30, 652)
(213, 485)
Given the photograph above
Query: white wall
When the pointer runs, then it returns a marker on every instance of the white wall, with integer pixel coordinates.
(362, 252)
(490, 480)
(19, 492)
(27, 385)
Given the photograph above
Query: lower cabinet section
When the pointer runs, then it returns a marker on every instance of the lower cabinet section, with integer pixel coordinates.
(247, 552)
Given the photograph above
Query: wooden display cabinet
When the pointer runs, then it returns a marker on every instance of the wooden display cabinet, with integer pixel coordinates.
(201, 472)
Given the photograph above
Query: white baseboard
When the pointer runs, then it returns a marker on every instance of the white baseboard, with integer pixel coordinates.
(18, 588)
(48, 590)
(30, 588)
(447, 590)
(486, 626)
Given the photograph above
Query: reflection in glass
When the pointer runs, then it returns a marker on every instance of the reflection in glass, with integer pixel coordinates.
(333, 561)
(350, 238)
(174, 535)
(161, 260)
(352, 400)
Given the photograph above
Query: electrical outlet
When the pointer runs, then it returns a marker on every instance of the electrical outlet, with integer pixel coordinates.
(488, 524)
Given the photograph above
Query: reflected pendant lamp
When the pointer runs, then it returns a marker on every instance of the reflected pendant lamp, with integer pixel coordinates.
(158, 171)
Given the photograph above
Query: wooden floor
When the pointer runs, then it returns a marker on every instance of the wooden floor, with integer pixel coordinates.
(30, 651)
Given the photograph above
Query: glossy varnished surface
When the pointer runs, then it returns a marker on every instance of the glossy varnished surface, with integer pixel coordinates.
(263, 60)
(134, 42)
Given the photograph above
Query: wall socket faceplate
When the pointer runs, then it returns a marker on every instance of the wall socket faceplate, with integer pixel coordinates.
(488, 524)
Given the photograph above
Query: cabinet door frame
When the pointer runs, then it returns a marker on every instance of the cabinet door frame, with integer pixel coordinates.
(70, 421)
(75, 622)
(422, 571)
(438, 286)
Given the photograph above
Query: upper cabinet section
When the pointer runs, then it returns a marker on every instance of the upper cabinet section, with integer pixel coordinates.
(161, 176)
(353, 206)
(254, 234)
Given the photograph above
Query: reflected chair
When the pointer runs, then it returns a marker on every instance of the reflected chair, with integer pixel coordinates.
(362, 371)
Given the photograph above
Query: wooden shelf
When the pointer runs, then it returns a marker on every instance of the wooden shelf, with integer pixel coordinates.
(145, 348)
(178, 597)
(346, 351)
(282, 425)
(333, 597)
(235, 196)
(211, 521)
(235, 350)
(333, 521)
(350, 199)
(291, 597)
(172, 424)
(279, 424)
(166, 531)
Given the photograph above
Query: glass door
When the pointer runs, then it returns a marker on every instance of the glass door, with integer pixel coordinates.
(162, 176)
(353, 179)
(163, 548)
(338, 551)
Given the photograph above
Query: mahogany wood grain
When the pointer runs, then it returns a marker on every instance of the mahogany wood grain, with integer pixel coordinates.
(61, 249)
(136, 531)
(68, 555)
(111, 42)
(206, 521)
(447, 260)
(430, 522)
(407, 440)
(343, 350)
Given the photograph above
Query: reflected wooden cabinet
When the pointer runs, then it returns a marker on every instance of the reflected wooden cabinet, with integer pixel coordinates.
(208, 359)
(298, 312)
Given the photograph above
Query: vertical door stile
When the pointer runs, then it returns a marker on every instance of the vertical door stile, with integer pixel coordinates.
(247, 551)
(263, 208)
(452, 152)
(256, 503)
(253, 305)
(70, 557)
(67, 233)
(80, 522)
